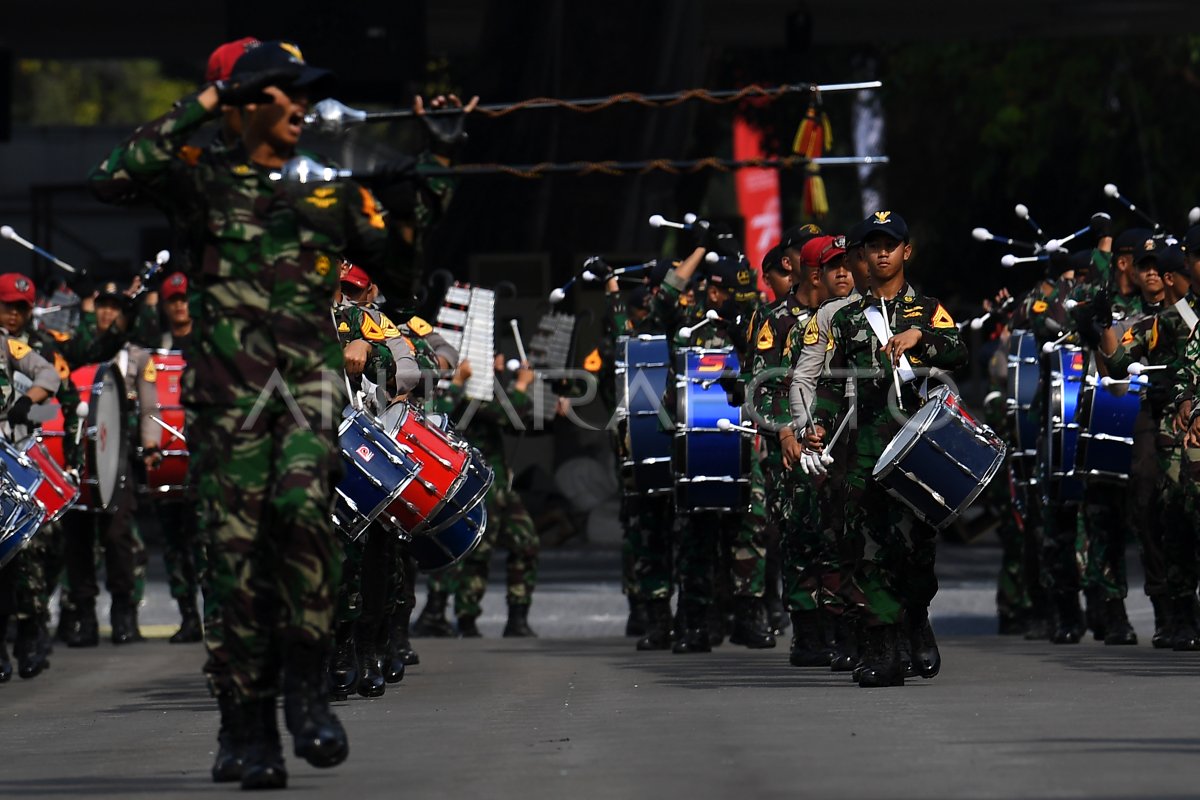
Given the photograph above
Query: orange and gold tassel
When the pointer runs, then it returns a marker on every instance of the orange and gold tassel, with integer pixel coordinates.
(812, 138)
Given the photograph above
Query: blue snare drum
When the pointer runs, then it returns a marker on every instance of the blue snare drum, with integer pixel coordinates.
(642, 380)
(712, 466)
(460, 528)
(1066, 371)
(21, 513)
(940, 460)
(377, 470)
(1106, 417)
(1023, 373)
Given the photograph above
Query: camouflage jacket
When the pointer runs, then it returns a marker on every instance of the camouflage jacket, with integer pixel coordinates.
(856, 348)
(391, 365)
(267, 266)
(772, 342)
(1160, 340)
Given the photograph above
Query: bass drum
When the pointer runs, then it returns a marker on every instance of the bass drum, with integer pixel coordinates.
(104, 435)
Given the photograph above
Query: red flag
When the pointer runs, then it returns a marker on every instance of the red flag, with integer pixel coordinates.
(757, 196)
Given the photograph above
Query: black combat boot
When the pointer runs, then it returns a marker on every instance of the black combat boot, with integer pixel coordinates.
(467, 629)
(882, 667)
(658, 626)
(343, 664)
(1069, 625)
(692, 634)
(923, 649)
(68, 618)
(518, 622)
(404, 647)
(845, 655)
(6, 668)
(124, 624)
(1038, 628)
(397, 647)
(85, 630)
(749, 627)
(432, 619)
(318, 736)
(1164, 633)
(635, 624)
(1096, 613)
(370, 674)
(1187, 635)
(32, 647)
(808, 643)
(262, 754)
(1116, 623)
(227, 766)
(190, 629)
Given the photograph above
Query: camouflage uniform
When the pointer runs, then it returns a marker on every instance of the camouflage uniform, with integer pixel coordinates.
(264, 405)
(821, 508)
(1157, 501)
(896, 571)
(508, 523)
(790, 497)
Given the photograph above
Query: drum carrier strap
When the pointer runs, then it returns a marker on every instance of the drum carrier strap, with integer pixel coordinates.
(1185, 310)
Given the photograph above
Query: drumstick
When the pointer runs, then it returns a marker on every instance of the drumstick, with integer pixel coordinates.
(170, 429)
(887, 327)
(355, 401)
(516, 329)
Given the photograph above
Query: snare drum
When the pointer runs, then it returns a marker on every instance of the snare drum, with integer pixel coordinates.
(169, 478)
(941, 460)
(641, 381)
(377, 471)
(104, 434)
(1020, 393)
(712, 466)
(1104, 451)
(21, 513)
(1062, 431)
(56, 490)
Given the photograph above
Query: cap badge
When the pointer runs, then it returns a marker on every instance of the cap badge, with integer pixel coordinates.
(881, 217)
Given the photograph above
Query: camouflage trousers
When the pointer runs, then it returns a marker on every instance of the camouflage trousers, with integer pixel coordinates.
(895, 570)
(719, 550)
(509, 526)
(184, 552)
(1152, 462)
(649, 533)
(794, 496)
(264, 491)
(1018, 590)
(1181, 512)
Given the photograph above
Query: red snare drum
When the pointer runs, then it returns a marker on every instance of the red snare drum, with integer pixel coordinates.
(52, 430)
(441, 461)
(57, 491)
(169, 478)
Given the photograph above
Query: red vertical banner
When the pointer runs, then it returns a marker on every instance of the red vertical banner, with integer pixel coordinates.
(757, 196)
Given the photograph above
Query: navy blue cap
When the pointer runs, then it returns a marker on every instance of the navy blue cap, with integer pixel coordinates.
(888, 222)
(1191, 241)
(1132, 240)
(773, 260)
(1148, 249)
(796, 237)
(857, 233)
(1170, 259)
(640, 298)
(280, 55)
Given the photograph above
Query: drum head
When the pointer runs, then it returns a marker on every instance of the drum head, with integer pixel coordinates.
(109, 445)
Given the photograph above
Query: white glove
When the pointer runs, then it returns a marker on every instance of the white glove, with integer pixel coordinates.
(813, 464)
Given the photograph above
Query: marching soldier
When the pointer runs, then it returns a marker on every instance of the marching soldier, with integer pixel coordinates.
(262, 331)
(896, 572)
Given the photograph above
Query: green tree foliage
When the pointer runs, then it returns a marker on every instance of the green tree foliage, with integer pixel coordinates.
(101, 92)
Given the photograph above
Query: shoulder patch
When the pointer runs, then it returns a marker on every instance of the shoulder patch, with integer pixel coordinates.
(390, 331)
(59, 336)
(18, 349)
(343, 327)
(242, 170)
(766, 337)
(370, 329)
(811, 333)
(419, 326)
(1128, 337)
(189, 155)
(150, 372)
(941, 318)
(1040, 306)
(370, 209)
(1153, 343)
(61, 366)
(593, 362)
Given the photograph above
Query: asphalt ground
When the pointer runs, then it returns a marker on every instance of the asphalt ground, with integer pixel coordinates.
(579, 713)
